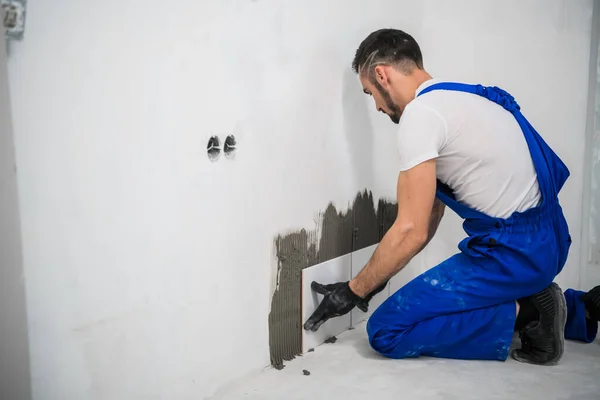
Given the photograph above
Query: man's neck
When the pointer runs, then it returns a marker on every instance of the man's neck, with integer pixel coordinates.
(420, 76)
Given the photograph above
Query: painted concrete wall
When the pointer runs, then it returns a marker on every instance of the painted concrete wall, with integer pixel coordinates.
(149, 269)
(590, 275)
(14, 354)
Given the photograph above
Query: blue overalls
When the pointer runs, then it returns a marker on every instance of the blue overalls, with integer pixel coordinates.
(465, 307)
(578, 327)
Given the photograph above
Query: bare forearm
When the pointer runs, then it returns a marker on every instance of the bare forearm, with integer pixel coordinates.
(395, 250)
(434, 221)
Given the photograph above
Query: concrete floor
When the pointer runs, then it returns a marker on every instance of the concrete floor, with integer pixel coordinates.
(349, 369)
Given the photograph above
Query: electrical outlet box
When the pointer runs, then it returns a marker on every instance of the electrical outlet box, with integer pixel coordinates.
(14, 18)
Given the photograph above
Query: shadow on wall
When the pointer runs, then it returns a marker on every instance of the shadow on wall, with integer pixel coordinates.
(337, 233)
(358, 129)
(362, 225)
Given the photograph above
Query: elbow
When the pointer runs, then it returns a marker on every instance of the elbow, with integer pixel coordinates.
(410, 235)
(418, 240)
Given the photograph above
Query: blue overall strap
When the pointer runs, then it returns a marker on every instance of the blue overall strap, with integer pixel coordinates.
(552, 172)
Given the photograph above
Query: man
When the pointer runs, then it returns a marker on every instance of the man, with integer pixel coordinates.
(467, 147)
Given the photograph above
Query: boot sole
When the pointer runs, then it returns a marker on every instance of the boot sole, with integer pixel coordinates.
(559, 330)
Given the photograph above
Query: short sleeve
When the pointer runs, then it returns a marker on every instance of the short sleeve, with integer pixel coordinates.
(421, 136)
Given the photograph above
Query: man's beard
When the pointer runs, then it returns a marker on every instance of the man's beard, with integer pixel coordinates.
(394, 109)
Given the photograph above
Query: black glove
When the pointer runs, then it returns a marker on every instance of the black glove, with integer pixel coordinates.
(592, 303)
(339, 300)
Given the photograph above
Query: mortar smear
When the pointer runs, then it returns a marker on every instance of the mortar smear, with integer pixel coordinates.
(360, 226)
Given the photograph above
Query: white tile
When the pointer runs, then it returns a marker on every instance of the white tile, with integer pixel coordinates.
(332, 271)
(359, 260)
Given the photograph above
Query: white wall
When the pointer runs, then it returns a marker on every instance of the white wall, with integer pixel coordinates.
(14, 355)
(148, 268)
(590, 274)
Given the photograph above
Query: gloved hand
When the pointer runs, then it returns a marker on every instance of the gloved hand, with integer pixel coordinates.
(592, 303)
(339, 300)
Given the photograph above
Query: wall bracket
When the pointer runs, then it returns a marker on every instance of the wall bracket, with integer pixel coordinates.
(14, 18)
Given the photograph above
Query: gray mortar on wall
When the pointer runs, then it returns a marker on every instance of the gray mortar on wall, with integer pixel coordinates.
(362, 225)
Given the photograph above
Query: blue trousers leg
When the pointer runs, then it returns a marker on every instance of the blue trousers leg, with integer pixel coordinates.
(464, 308)
(578, 327)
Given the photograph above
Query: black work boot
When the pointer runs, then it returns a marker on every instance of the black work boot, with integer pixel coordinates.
(527, 313)
(542, 340)
(591, 300)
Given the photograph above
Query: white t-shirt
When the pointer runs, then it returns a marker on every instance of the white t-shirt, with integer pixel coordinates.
(480, 150)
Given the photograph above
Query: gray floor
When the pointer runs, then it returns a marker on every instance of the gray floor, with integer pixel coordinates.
(348, 369)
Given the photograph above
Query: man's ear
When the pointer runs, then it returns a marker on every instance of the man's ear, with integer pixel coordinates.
(381, 75)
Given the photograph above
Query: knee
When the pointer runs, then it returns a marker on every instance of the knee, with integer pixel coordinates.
(377, 333)
(387, 341)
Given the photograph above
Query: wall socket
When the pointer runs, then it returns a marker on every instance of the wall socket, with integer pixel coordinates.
(213, 148)
(14, 18)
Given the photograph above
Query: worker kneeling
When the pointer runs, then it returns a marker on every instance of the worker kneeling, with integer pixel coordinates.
(470, 148)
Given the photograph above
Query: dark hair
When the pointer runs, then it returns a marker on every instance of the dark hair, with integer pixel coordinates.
(388, 46)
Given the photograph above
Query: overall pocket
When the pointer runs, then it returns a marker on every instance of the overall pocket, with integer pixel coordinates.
(564, 242)
(479, 245)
